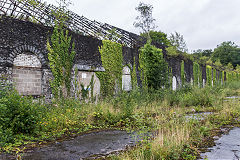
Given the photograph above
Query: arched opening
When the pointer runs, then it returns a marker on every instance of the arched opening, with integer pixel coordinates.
(126, 79)
(174, 83)
(27, 74)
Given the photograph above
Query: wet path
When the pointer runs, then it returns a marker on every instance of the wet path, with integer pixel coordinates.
(227, 147)
(98, 143)
(198, 116)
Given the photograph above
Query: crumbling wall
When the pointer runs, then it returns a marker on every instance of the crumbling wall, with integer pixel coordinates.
(20, 37)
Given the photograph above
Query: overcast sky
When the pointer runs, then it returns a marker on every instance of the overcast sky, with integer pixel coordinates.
(203, 23)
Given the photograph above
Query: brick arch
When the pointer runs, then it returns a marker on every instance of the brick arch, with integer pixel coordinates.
(27, 70)
(26, 48)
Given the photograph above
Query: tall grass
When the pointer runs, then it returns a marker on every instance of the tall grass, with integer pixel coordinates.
(162, 111)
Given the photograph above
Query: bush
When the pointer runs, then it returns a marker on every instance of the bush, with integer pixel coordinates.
(19, 115)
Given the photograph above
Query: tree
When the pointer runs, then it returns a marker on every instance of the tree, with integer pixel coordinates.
(157, 36)
(227, 52)
(201, 53)
(145, 21)
(177, 40)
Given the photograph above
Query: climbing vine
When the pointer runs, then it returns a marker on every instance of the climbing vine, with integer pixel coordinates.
(134, 75)
(153, 67)
(200, 78)
(112, 61)
(195, 73)
(209, 75)
(61, 60)
(214, 76)
(183, 76)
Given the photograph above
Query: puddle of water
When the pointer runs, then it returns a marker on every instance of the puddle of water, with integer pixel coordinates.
(233, 97)
(227, 147)
(198, 116)
(98, 143)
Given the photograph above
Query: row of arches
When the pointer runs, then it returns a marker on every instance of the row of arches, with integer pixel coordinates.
(30, 77)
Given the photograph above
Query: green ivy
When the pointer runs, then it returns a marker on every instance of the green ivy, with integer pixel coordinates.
(153, 67)
(112, 61)
(61, 60)
(182, 73)
(134, 75)
(200, 76)
(214, 77)
(209, 75)
(195, 73)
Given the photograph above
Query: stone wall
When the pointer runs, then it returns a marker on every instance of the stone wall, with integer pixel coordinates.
(23, 56)
(175, 65)
(23, 44)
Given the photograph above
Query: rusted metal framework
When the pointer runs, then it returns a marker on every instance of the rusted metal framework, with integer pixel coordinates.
(41, 12)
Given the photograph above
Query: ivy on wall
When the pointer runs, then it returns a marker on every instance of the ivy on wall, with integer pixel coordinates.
(209, 75)
(153, 67)
(134, 75)
(200, 78)
(61, 60)
(195, 73)
(183, 76)
(214, 76)
(112, 61)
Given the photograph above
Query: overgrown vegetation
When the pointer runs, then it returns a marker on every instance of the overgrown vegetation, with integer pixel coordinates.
(112, 61)
(25, 121)
(155, 108)
(153, 66)
(61, 54)
(181, 138)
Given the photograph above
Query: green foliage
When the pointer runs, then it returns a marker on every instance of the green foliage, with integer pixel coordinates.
(112, 61)
(203, 60)
(172, 51)
(229, 66)
(190, 96)
(5, 86)
(227, 52)
(153, 67)
(196, 73)
(157, 36)
(200, 76)
(134, 75)
(209, 75)
(183, 76)
(218, 64)
(238, 68)
(19, 115)
(61, 53)
(214, 76)
(61, 59)
(197, 54)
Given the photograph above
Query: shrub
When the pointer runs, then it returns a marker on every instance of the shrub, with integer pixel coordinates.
(19, 115)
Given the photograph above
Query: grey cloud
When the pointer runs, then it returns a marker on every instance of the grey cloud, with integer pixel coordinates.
(203, 23)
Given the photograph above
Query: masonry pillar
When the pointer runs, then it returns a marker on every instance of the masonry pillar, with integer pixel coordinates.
(175, 64)
(204, 75)
(188, 69)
